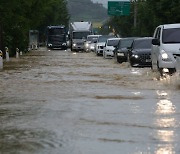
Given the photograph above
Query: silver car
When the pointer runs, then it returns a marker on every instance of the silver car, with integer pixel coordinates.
(166, 48)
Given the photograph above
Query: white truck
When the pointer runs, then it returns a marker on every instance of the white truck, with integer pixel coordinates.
(33, 39)
(78, 32)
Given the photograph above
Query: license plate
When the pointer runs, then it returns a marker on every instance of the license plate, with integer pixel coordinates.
(120, 54)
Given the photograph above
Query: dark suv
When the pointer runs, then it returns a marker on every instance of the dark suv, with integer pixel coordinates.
(121, 51)
(139, 53)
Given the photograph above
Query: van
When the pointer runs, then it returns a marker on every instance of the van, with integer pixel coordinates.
(165, 48)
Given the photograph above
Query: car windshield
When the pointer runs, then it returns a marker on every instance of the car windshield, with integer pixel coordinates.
(91, 38)
(112, 42)
(57, 38)
(103, 38)
(56, 31)
(142, 44)
(94, 40)
(80, 35)
(171, 35)
(125, 43)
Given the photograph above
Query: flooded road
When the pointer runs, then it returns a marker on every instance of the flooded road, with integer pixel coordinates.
(60, 102)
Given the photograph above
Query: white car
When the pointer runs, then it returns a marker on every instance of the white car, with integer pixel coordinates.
(93, 44)
(90, 39)
(109, 47)
(166, 48)
(99, 48)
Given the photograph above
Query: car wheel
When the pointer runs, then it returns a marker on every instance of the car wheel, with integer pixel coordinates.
(129, 61)
(160, 70)
(154, 67)
(172, 71)
(118, 60)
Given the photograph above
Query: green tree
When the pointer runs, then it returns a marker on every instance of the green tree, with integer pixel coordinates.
(19, 16)
(150, 13)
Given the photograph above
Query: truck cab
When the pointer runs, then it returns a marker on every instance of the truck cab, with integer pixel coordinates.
(78, 34)
(56, 37)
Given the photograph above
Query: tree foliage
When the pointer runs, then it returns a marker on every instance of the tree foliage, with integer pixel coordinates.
(19, 16)
(150, 13)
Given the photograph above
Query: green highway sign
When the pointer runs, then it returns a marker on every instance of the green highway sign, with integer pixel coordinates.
(118, 8)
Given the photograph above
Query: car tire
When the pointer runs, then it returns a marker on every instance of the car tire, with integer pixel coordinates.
(118, 60)
(160, 70)
(128, 60)
(172, 71)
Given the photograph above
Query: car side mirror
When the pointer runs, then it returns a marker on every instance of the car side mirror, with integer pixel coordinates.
(155, 42)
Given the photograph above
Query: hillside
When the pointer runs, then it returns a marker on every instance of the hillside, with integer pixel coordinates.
(86, 10)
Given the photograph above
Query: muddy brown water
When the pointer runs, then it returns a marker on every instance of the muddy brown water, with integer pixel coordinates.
(62, 102)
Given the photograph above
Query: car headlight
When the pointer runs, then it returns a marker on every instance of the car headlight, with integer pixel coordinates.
(64, 44)
(74, 44)
(135, 56)
(87, 45)
(49, 44)
(92, 47)
(165, 56)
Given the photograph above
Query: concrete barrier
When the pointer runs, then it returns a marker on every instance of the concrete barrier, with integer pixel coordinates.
(1, 59)
(17, 53)
(7, 53)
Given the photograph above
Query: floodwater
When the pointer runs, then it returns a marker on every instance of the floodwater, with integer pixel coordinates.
(60, 102)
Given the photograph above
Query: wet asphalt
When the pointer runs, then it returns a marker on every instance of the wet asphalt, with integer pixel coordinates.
(63, 102)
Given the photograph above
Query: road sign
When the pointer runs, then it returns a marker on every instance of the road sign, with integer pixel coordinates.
(118, 8)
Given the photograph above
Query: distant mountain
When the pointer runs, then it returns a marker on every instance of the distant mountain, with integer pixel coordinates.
(86, 10)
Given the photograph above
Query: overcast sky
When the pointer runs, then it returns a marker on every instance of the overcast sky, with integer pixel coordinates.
(104, 2)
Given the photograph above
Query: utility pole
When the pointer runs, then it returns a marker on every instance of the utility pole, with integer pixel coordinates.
(135, 13)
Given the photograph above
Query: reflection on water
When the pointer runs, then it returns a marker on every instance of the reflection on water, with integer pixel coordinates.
(166, 122)
(165, 150)
(136, 71)
(165, 107)
(165, 135)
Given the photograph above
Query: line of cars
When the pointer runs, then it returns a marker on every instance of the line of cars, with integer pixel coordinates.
(160, 52)
(136, 51)
(132, 49)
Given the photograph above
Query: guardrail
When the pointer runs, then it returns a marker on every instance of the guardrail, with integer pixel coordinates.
(1, 59)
